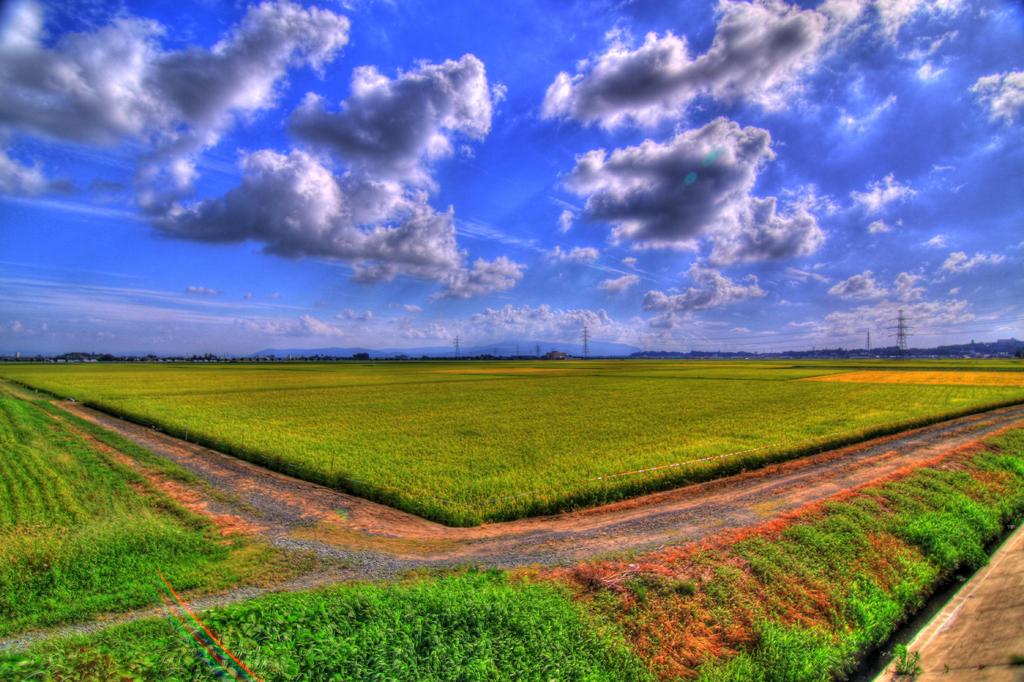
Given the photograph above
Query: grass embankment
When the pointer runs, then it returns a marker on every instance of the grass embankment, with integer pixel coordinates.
(82, 534)
(804, 597)
(464, 443)
(798, 599)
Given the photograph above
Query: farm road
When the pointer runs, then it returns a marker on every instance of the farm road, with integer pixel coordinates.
(379, 541)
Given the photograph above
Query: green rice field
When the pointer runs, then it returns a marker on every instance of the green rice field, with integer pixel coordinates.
(465, 443)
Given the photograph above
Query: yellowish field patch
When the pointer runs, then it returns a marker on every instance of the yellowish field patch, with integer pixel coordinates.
(927, 378)
(505, 370)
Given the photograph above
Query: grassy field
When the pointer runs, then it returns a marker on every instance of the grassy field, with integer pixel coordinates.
(82, 534)
(464, 443)
(797, 599)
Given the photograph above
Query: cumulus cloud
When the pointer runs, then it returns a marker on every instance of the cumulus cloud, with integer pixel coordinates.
(116, 82)
(879, 226)
(884, 17)
(619, 285)
(388, 127)
(762, 233)
(864, 286)
(565, 220)
(19, 180)
(302, 326)
(881, 193)
(484, 277)
(959, 261)
(758, 54)
(578, 254)
(411, 308)
(859, 286)
(927, 72)
(904, 287)
(296, 207)
(541, 321)
(925, 316)
(201, 291)
(1002, 93)
(697, 183)
(711, 289)
(936, 242)
(350, 315)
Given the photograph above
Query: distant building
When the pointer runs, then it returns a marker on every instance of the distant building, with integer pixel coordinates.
(555, 355)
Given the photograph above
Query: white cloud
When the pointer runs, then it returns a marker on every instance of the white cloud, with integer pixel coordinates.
(711, 289)
(411, 308)
(19, 180)
(116, 82)
(883, 192)
(759, 52)
(864, 286)
(862, 123)
(927, 72)
(201, 291)
(296, 207)
(542, 322)
(484, 277)
(936, 242)
(1003, 93)
(350, 315)
(879, 226)
(389, 127)
(565, 220)
(959, 261)
(805, 275)
(619, 285)
(859, 286)
(905, 289)
(696, 184)
(924, 316)
(578, 254)
(629, 261)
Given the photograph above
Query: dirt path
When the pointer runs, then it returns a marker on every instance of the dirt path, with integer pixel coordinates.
(381, 540)
(377, 542)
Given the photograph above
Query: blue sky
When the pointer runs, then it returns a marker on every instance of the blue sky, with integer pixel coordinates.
(206, 177)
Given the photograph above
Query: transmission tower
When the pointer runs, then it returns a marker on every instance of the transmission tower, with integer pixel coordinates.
(458, 349)
(586, 342)
(867, 342)
(536, 349)
(901, 331)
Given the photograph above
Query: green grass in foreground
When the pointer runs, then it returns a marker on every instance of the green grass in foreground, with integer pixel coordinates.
(81, 534)
(466, 442)
(477, 626)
